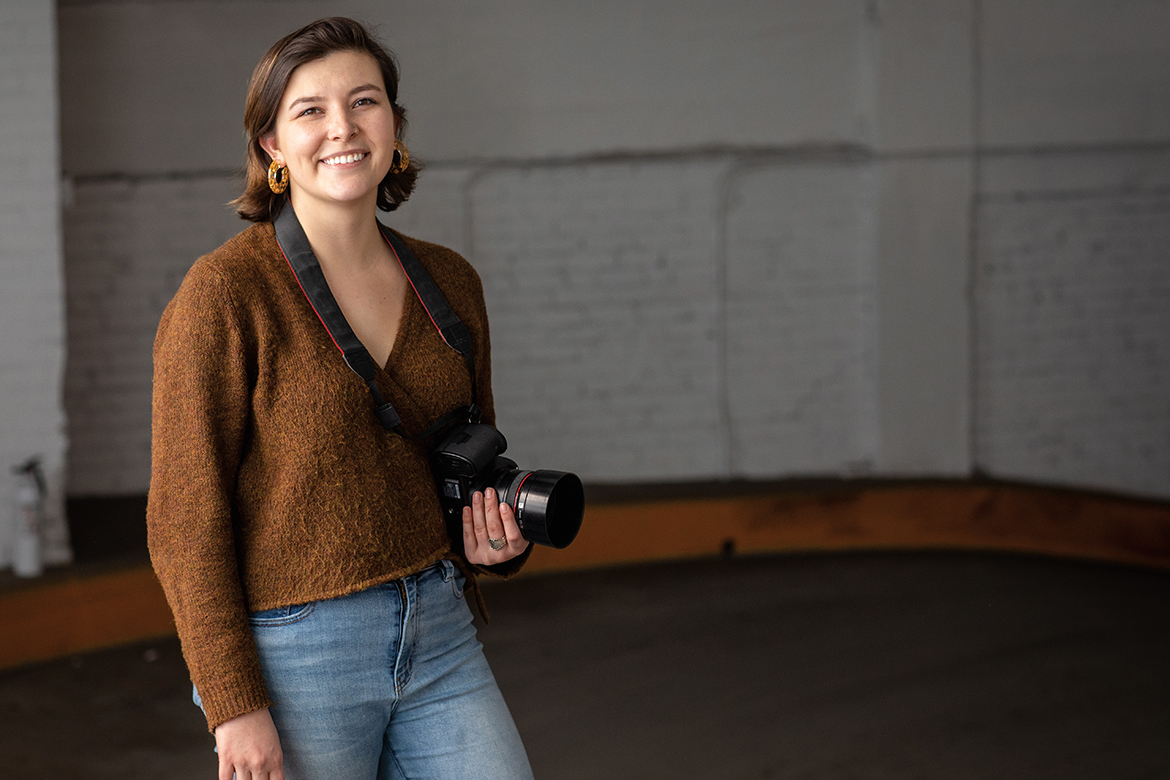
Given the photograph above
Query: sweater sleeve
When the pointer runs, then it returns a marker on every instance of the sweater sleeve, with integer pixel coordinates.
(203, 369)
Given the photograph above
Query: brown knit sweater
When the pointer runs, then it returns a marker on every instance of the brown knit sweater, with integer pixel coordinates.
(272, 482)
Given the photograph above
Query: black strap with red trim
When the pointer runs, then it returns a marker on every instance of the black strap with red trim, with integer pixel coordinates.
(294, 245)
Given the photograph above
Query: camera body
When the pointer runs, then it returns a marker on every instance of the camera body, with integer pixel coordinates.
(548, 505)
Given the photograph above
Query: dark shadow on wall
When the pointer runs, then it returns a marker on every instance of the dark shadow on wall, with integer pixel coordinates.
(107, 528)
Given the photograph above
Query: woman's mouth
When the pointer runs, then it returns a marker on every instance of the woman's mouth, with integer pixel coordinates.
(342, 159)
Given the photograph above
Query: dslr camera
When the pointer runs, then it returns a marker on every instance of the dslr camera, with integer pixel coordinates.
(548, 505)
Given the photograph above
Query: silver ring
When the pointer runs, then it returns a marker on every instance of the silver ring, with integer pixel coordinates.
(498, 544)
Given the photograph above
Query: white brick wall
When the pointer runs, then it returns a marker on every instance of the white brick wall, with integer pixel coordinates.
(1074, 328)
(32, 351)
(439, 210)
(924, 60)
(601, 286)
(127, 246)
(718, 241)
(520, 79)
(800, 320)
(924, 316)
(1075, 71)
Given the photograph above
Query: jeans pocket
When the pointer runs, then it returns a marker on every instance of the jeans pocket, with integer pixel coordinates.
(281, 616)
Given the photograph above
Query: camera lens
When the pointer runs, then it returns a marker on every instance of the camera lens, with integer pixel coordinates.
(549, 505)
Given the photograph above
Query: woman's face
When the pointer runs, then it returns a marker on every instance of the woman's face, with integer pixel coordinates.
(335, 131)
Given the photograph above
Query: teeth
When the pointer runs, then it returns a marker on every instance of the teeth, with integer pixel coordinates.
(344, 158)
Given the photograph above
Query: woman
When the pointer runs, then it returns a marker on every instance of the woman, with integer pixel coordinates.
(302, 546)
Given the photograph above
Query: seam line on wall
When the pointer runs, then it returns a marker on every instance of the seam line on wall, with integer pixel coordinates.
(973, 466)
(796, 155)
(723, 196)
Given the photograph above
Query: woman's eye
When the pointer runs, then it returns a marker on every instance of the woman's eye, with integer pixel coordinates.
(364, 102)
(308, 111)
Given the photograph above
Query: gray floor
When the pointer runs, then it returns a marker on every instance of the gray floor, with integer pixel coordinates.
(835, 666)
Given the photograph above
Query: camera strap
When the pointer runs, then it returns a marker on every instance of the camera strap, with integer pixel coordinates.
(294, 245)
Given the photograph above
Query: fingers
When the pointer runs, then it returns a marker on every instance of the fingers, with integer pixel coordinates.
(242, 770)
(244, 774)
(470, 540)
(249, 748)
(489, 519)
(495, 526)
(516, 541)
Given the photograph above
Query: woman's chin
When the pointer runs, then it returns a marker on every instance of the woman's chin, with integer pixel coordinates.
(341, 196)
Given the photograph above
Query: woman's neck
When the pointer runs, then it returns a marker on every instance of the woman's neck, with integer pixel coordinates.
(343, 236)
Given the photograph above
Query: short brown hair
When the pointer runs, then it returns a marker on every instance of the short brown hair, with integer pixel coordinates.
(312, 42)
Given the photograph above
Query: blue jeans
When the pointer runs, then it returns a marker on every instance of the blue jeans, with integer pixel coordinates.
(387, 683)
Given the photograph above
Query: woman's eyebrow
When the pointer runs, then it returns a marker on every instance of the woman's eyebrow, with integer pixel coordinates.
(307, 99)
(365, 88)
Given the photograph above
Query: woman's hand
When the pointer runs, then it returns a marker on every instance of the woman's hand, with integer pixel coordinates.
(489, 520)
(249, 748)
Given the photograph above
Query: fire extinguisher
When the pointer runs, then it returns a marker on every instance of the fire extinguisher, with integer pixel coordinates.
(30, 497)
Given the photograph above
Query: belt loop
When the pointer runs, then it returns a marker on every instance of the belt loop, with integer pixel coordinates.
(448, 569)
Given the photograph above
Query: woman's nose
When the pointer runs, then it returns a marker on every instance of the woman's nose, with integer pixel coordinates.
(343, 127)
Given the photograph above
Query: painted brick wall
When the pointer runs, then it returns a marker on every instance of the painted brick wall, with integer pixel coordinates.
(601, 285)
(127, 247)
(923, 342)
(697, 269)
(800, 320)
(32, 352)
(1074, 327)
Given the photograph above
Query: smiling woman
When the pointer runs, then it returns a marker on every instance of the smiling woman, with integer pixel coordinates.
(302, 547)
(272, 92)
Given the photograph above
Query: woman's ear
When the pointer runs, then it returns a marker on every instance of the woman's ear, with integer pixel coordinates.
(268, 144)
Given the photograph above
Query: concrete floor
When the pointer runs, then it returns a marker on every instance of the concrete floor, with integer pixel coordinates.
(916, 665)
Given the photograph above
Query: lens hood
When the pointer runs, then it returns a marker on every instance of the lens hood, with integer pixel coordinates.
(549, 506)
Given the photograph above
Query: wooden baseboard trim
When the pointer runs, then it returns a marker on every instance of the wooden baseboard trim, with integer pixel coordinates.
(77, 615)
(945, 516)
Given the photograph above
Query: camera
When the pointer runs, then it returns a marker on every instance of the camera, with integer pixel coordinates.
(548, 505)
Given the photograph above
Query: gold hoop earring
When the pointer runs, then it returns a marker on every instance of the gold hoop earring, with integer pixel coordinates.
(403, 157)
(276, 182)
